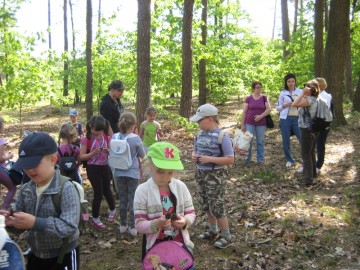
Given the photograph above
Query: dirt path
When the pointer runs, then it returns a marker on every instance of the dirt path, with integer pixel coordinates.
(277, 223)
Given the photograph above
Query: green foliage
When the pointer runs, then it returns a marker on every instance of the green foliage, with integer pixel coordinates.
(267, 176)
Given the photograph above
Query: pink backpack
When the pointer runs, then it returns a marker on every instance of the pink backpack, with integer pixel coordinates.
(169, 254)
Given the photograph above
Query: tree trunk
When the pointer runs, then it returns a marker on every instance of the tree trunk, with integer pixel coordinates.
(99, 13)
(335, 54)
(143, 58)
(326, 16)
(274, 22)
(66, 50)
(89, 68)
(319, 38)
(49, 23)
(202, 64)
(296, 4)
(77, 97)
(186, 91)
(285, 27)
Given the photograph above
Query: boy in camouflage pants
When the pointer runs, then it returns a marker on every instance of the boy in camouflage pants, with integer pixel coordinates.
(213, 150)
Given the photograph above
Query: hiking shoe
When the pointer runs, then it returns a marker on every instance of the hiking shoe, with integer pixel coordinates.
(133, 232)
(111, 217)
(288, 164)
(97, 224)
(208, 235)
(301, 170)
(123, 229)
(223, 243)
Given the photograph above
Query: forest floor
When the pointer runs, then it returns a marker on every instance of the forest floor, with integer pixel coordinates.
(276, 223)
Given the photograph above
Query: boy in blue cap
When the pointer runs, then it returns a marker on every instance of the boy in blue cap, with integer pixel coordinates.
(73, 114)
(35, 211)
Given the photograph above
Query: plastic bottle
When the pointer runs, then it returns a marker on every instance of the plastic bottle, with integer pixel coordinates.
(11, 257)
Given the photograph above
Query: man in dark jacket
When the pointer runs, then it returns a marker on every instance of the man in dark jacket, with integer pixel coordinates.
(111, 107)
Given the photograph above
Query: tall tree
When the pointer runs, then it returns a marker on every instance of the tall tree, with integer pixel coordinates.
(66, 50)
(335, 54)
(89, 68)
(202, 64)
(285, 27)
(49, 23)
(186, 90)
(143, 58)
(296, 8)
(319, 38)
(274, 22)
(77, 96)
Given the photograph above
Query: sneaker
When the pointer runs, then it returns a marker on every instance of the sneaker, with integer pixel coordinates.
(318, 171)
(111, 217)
(133, 232)
(301, 170)
(223, 242)
(288, 164)
(208, 235)
(123, 229)
(97, 224)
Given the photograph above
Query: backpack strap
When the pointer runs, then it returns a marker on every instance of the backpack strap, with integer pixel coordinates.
(56, 199)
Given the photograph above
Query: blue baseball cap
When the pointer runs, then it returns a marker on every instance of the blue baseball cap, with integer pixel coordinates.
(33, 148)
(73, 112)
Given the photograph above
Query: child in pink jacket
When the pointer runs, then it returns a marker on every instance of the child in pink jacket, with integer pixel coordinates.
(163, 205)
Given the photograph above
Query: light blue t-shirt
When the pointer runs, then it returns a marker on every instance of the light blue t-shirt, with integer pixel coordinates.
(206, 144)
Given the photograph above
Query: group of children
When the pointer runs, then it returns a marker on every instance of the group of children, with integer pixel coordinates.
(161, 208)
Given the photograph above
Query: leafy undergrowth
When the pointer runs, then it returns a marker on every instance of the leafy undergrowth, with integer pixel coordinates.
(276, 223)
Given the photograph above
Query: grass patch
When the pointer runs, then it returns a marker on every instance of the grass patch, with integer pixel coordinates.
(267, 176)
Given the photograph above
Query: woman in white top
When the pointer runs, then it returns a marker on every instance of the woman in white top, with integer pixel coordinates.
(321, 140)
(288, 115)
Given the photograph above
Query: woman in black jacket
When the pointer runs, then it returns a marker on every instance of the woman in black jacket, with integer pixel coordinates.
(111, 107)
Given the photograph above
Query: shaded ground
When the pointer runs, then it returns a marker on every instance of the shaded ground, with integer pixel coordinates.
(277, 223)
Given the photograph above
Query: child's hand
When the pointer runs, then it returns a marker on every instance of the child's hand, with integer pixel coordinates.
(96, 151)
(162, 222)
(105, 151)
(194, 158)
(21, 220)
(180, 222)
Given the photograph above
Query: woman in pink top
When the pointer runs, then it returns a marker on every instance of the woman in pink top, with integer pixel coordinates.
(95, 149)
(256, 107)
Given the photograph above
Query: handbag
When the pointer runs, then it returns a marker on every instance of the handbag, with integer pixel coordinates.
(269, 121)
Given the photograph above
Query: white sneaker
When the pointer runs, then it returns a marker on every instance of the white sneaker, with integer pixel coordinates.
(133, 232)
(301, 170)
(123, 229)
(288, 164)
(318, 171)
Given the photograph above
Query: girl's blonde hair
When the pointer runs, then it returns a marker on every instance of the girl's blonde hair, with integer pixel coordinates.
(322, 83)
(67, 131)
(126, 121)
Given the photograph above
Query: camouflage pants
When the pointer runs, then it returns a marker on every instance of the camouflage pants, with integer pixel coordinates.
(210, 187)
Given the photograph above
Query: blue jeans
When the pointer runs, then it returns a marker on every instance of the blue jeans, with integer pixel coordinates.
(286, 126)
(126, 187)
(259, 133)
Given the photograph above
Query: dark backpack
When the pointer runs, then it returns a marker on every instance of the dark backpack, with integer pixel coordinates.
(320, 122)
(68, 164)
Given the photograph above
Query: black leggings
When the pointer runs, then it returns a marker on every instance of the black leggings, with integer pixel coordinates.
(100, 177)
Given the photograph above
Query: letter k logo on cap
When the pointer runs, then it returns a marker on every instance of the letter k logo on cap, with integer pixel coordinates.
(169, 152)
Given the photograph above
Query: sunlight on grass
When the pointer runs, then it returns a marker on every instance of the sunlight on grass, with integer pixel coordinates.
(337, 213)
